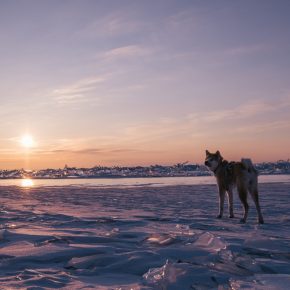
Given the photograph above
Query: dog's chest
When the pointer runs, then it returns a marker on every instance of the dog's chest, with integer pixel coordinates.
(226, 176)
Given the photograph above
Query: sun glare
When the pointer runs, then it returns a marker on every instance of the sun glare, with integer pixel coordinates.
(27, 182)
(27, 141)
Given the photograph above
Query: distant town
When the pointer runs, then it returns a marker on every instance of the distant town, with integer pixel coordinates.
(180, 169)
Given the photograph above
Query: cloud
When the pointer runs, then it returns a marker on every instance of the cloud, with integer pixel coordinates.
(76, 93)
(86, 151)
(94, 151)
(114, 24)
(106, 145)
(246, 49)
(244, 111)
(83, 151)
(126, 52)
(200, 125)
(7, 151)
(265, 126)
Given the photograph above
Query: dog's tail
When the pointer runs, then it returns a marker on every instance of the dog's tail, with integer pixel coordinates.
(248, 164)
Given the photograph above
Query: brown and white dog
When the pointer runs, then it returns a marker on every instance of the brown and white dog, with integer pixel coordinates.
(241, 174)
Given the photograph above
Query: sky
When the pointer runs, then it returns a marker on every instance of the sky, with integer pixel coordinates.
(110, 82)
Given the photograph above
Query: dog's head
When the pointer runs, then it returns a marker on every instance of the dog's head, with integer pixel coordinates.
(212, 160)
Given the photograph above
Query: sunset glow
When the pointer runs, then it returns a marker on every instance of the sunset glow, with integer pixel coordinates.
(27, 141)
(141, 88)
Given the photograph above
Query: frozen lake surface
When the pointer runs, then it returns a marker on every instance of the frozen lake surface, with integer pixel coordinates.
(140, 236)
(132, 182)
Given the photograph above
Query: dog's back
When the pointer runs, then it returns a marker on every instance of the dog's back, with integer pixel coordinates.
(235, 173)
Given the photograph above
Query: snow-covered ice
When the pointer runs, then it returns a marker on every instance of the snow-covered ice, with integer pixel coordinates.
(142, 237)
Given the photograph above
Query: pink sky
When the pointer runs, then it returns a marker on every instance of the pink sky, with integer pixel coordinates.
(146, 82)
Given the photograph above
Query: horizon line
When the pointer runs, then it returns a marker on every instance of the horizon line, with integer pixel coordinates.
(130, 166)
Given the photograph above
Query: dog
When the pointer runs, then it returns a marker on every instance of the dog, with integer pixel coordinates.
(229, 175)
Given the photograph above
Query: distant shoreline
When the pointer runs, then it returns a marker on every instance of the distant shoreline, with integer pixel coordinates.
(117, 177)
(178, 170)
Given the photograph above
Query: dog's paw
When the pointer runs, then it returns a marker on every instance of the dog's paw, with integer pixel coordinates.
(219, 216)
(261, 221)
(242, 221)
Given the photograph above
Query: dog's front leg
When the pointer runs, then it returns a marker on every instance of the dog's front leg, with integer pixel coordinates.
(231, 203)
(221, 202)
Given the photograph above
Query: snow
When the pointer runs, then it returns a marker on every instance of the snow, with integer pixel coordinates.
(141, 237)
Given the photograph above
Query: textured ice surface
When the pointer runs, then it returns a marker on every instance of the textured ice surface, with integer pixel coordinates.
(141, 238)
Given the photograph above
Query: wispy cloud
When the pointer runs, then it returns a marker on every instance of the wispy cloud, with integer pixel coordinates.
(93, 151)
(83, 146)
(126, 52)
(246, 49)
(199, 125)
(244, 111)
(194, 125)
(265, 127)
(76, 93)
(113, 24)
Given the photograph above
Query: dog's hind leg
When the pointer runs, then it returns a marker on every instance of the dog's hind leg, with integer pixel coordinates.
(230, 203)
(222, 193)
(243, 192)
(255, 196)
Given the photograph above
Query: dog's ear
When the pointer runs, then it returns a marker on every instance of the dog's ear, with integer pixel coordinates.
(206, 152)
(219, 155)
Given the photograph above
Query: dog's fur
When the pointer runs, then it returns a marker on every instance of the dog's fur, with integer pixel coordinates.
(242, 174)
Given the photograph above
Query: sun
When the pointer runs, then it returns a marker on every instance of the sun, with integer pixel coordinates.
(27, 182)
(27, 141)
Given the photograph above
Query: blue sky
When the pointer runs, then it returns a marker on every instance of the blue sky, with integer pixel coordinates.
(142, 82)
